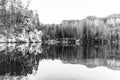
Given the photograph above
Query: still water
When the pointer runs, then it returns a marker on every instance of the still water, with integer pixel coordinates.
(38, 61)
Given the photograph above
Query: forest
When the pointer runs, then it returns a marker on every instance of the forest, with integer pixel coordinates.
(20, 24)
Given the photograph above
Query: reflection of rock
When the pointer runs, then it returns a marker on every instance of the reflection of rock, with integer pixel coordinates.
(18, 63)
(12, 77)
(51, 42)
(22, 47)
(35, 48)
(92, 63)
(11, 46)
(3, 46)
(113, 64)
(3, 38)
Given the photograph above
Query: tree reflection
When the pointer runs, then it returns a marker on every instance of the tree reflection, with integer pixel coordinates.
(17, 60)
(21, 59)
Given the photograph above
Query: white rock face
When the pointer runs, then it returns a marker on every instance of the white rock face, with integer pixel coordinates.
(3, 46)
(35, 36)
(35, 48)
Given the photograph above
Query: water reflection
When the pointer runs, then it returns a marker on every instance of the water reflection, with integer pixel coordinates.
(19, 60)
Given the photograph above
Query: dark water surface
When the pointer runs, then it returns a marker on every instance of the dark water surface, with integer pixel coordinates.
(36, 61)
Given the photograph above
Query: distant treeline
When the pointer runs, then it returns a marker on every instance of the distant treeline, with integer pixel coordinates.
(88, 30)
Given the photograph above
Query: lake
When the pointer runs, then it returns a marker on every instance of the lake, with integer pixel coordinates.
(36, 61)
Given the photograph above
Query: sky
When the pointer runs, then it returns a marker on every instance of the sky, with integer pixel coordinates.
(54, 11)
